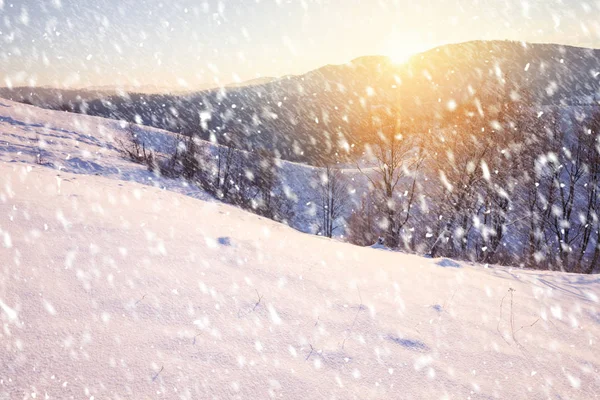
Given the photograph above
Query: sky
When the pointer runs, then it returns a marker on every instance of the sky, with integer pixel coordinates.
(188, 44)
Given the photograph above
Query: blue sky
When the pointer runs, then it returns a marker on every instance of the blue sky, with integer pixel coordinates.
(187, 43)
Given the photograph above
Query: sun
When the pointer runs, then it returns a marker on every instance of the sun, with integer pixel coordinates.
(401, 47)
(400, 56)
(400, 52)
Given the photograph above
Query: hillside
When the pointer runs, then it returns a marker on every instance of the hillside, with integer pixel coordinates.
(113, 289)
(84, 144)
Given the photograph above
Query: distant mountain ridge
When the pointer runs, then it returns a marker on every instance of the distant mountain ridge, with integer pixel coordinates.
(323, 112)
(49, 97)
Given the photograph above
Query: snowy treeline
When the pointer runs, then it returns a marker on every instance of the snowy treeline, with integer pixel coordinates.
(509, 184)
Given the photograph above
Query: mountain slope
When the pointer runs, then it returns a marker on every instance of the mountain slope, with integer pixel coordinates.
(313, 116)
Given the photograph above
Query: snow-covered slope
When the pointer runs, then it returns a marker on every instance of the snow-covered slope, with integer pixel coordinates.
(112, 289)
(90, 145)
(76, 143)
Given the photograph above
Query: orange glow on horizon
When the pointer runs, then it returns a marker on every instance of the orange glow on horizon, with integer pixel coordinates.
(401, 46)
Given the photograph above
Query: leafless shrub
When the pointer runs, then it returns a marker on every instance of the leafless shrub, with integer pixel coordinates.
(132, 147)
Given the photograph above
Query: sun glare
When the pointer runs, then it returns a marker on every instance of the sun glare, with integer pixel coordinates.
(401, 47)
(400, 56)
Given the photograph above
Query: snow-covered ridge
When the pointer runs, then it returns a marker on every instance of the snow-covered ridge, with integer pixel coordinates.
(112, 289)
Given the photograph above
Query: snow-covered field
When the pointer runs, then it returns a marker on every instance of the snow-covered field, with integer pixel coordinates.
(114, 289)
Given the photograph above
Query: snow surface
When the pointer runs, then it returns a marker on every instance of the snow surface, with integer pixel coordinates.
(114, 289)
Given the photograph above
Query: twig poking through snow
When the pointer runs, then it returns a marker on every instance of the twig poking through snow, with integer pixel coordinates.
(158, 373)
(440, 309)
(241, 314)
(355, 318)
(415, 328)
(512, 315)
(194, 342)
(258, 302)
(527, 326)
(449, 301)
(512, 319)
(137, 302)
(500, 319)
(309, 354)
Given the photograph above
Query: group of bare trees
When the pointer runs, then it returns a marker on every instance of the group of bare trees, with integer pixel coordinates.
(473, 195)
(246, 179)
(510, 184)
(333, 199)
(524, 191)
(398, 157)
(391, 165)
(564, 202)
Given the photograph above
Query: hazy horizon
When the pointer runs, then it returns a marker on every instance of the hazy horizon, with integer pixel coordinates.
(187, 45)
(145, 88)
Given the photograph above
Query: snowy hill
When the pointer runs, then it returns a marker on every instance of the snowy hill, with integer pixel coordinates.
(113, 289)
(69, 142)
(90, 145)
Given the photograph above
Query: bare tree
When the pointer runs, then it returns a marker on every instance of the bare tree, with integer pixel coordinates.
(457, 155)
(333, 190)
(226, 158)
(265, 180)
(505, 171)
(568, 177)
(269, 196)
(190, 158)
(398, 157)
(590, 138)
(361, 227)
